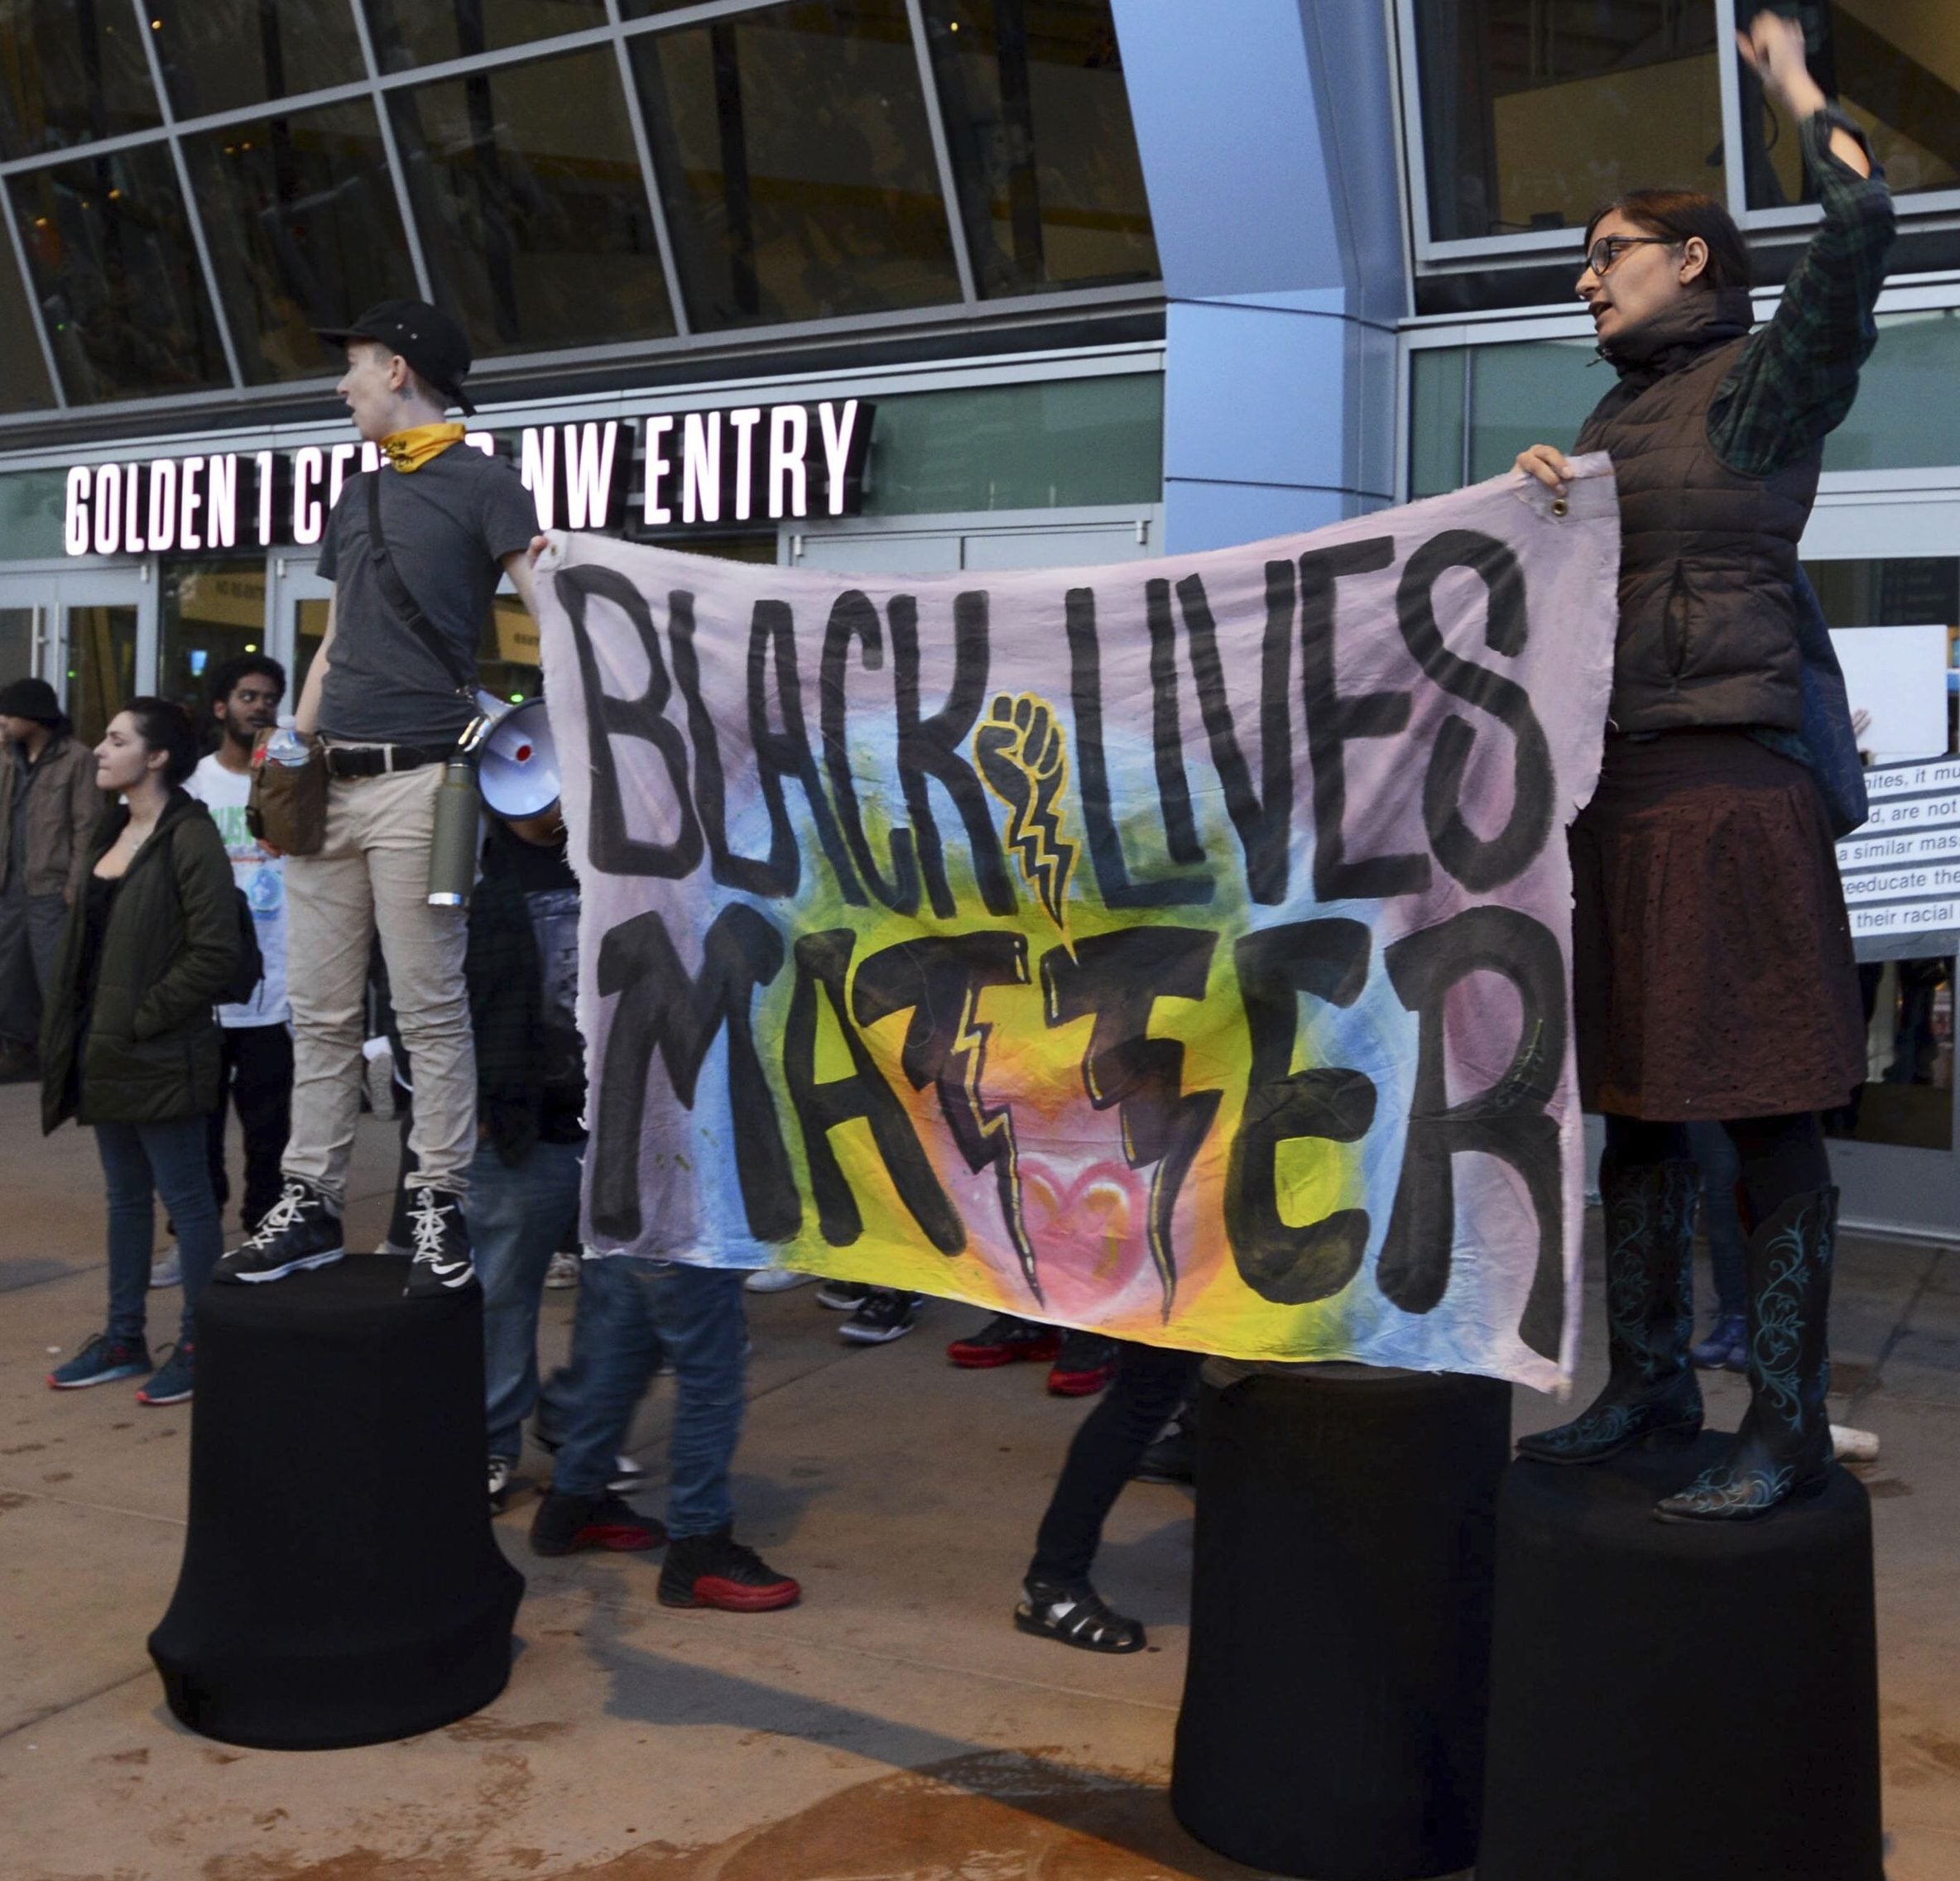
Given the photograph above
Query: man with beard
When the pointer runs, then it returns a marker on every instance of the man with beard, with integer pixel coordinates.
(257, 1076)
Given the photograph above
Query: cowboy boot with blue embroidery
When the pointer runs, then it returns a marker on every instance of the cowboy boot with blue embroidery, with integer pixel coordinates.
(1651, 1392)
(1784, 1448)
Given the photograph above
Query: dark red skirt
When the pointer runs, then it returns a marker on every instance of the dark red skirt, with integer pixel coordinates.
(1712, 970)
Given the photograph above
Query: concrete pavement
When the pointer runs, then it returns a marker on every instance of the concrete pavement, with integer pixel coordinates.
(892, 1728)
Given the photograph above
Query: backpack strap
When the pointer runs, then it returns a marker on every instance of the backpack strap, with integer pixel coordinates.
(396, 592)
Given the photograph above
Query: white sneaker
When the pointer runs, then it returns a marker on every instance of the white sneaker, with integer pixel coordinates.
(502, 1473)
(776, 1280)
(167, 1269)
(564, 1270)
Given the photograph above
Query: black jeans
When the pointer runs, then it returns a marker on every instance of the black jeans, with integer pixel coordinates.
(258, 1080)
(1151, 1383)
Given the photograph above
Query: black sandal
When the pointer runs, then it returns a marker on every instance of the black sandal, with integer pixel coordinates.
(1077, 1617)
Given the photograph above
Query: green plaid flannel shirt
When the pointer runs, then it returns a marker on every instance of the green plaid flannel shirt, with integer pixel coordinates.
(1797, 376)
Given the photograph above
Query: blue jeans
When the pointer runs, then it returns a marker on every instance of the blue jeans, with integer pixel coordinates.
(629, 1309)
(1714, 1154)
(518, 1219)
(142, 1162)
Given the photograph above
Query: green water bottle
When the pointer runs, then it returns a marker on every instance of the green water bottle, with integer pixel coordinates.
(453, 849)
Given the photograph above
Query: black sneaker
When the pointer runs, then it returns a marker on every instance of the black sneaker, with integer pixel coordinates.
(300, 1230)
(442, 1263)
(564, 1524)
(842, 1296)
(885, 1315)
(716, 1571)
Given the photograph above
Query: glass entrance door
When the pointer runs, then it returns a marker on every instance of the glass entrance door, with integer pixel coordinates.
(89, 632)
(1887, 572)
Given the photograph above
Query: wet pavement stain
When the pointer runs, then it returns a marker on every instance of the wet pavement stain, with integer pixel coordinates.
(991, 1816)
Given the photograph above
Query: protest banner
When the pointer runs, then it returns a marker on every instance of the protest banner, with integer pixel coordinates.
(1179, 949)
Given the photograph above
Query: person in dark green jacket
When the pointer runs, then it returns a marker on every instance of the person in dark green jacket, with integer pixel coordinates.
(129, 1041)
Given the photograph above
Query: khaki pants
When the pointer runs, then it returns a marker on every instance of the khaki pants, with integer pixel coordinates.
(371, 877)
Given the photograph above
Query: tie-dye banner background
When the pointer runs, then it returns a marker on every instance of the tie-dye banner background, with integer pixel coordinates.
(1178, 948)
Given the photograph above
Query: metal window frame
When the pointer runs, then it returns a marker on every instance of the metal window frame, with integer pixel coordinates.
(392, 150)
(1931, 293)
(942, 152)
(1432, 255)
(969, 309)
(193, 219)
(1113, 360)
(649, 181)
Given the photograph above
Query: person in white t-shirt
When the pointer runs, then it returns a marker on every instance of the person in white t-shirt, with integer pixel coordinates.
(258, 1040)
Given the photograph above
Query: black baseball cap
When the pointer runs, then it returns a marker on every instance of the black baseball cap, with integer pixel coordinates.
(425, 336)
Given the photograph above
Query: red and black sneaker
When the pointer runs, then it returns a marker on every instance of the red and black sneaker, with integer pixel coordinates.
(1004, 1340)
(564, 1524)
(1085, 1365)
(716, 1571)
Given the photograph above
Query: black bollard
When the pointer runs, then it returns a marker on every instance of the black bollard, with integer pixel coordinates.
(1333, 1711)
(1698, 1700)
(340, 1583)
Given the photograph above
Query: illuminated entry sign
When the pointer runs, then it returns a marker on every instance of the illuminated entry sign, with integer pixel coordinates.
(750, 464)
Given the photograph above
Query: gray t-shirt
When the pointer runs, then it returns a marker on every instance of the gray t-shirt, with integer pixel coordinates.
(449, 527)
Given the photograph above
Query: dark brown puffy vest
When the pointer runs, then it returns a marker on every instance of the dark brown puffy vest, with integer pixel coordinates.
(1707, 561)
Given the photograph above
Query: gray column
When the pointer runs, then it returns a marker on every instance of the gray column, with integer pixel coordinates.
(1268, 148)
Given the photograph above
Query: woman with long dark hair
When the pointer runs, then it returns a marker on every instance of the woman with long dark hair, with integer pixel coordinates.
(129, 1042)
(1713, 978)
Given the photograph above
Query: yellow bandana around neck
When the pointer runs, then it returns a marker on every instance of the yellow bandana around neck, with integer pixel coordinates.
(410, 450)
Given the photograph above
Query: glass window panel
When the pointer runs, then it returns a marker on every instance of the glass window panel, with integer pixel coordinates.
(33, 514)
(1908, 412)
(304, 231)
(208, 612)
(224, 55)
(71, 71)
(423, 32)
(1052, 446)
(23, 371)
(1907, 1097)
(117, 277)
(101, 667)
(1037, 121)
(17, 635)
(533, 211)
(793, 147)
(1436, 419)
(1532, 392)
(310, 629)
(1535, 112)
(508, 656)
(1894, 66)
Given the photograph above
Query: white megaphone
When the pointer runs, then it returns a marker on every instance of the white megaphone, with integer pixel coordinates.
(517, 763)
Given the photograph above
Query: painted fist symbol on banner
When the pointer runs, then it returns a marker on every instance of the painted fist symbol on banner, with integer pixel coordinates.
(1023, 755)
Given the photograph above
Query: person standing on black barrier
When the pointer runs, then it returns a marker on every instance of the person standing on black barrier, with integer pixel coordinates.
(1151, 1384)
(1713, 977)
(414, 549)
(48, 809)
(255, 1078)
(129, 1044)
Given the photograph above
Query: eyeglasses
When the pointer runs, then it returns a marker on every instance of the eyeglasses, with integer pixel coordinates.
(1609, 248)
